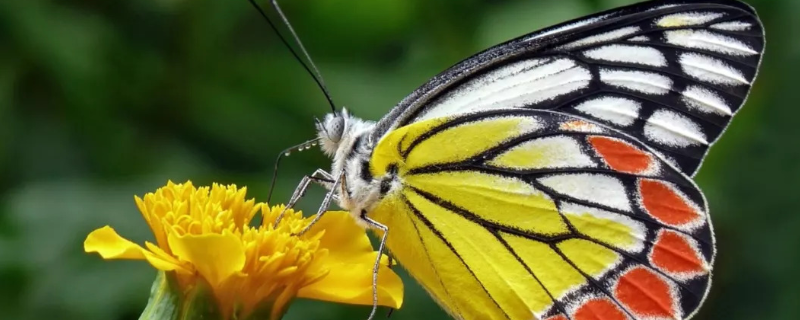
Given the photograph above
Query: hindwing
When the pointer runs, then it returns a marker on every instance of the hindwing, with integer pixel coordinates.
(530, 214)
(670, 73)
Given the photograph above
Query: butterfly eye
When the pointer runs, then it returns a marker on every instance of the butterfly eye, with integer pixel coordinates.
(336, 128)
(333, 127)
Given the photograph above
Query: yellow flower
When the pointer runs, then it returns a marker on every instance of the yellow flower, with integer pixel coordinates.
(203, 239)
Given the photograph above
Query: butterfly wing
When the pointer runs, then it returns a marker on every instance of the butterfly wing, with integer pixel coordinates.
(670, 73)
(532, 214)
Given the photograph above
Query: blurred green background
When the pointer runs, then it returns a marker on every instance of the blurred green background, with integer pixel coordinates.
(101, 100)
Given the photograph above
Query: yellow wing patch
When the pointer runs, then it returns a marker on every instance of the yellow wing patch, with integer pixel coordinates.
(551, 152)
(553, 271)
(453, 273)
(503, 277)
(389, 148)
(412, 242)
(405, 242)
(614, 229)
(506, 201)
(592, 258)
(448, 145)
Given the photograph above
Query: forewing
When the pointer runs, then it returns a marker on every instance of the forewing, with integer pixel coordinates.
(529, 214)
(670, 73)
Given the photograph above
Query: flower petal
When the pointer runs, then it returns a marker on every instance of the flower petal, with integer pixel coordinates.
(343, 236)
(161, 260)
(111, 245)
(351, 282)
(215, 256)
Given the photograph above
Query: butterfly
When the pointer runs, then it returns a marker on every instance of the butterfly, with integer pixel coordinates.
(549, 177)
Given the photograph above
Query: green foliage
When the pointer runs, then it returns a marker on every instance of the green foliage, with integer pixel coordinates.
(101, 100)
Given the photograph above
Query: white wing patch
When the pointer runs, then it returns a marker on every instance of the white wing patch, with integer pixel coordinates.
(708, 69)
(566, 27)
(705, 101)
(640, 81)
(732, 26)
(596, 188)
(688, 19)
(666, 6)
(629, 54)
(673, 129)
(703, 39)
(616, 110)
(513, 86)
(603, 37)
(639, 39)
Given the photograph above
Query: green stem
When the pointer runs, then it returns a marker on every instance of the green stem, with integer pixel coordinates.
(168, 302)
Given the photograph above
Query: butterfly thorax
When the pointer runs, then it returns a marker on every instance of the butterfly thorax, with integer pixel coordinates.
(346, 139)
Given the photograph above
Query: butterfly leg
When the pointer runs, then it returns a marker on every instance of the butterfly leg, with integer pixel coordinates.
(319, 176)
(326, 202)
(385, 229)
(390, 265)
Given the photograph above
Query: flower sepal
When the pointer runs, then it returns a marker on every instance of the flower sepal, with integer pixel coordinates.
(169, 302)
(270, 309)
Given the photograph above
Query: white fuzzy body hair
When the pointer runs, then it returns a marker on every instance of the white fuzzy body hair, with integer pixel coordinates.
(349, 148)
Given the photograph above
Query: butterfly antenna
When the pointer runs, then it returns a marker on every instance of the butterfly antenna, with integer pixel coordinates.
(310, 67)
(285, 153)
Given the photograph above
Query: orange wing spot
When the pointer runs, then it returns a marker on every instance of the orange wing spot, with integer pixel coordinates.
(673, 254)
(580, 126)
(645, 294)
(665, 204)
(621, 156)
(558, 317)
(599, 309)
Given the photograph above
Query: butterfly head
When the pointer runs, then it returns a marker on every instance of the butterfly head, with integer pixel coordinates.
(340, 134)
